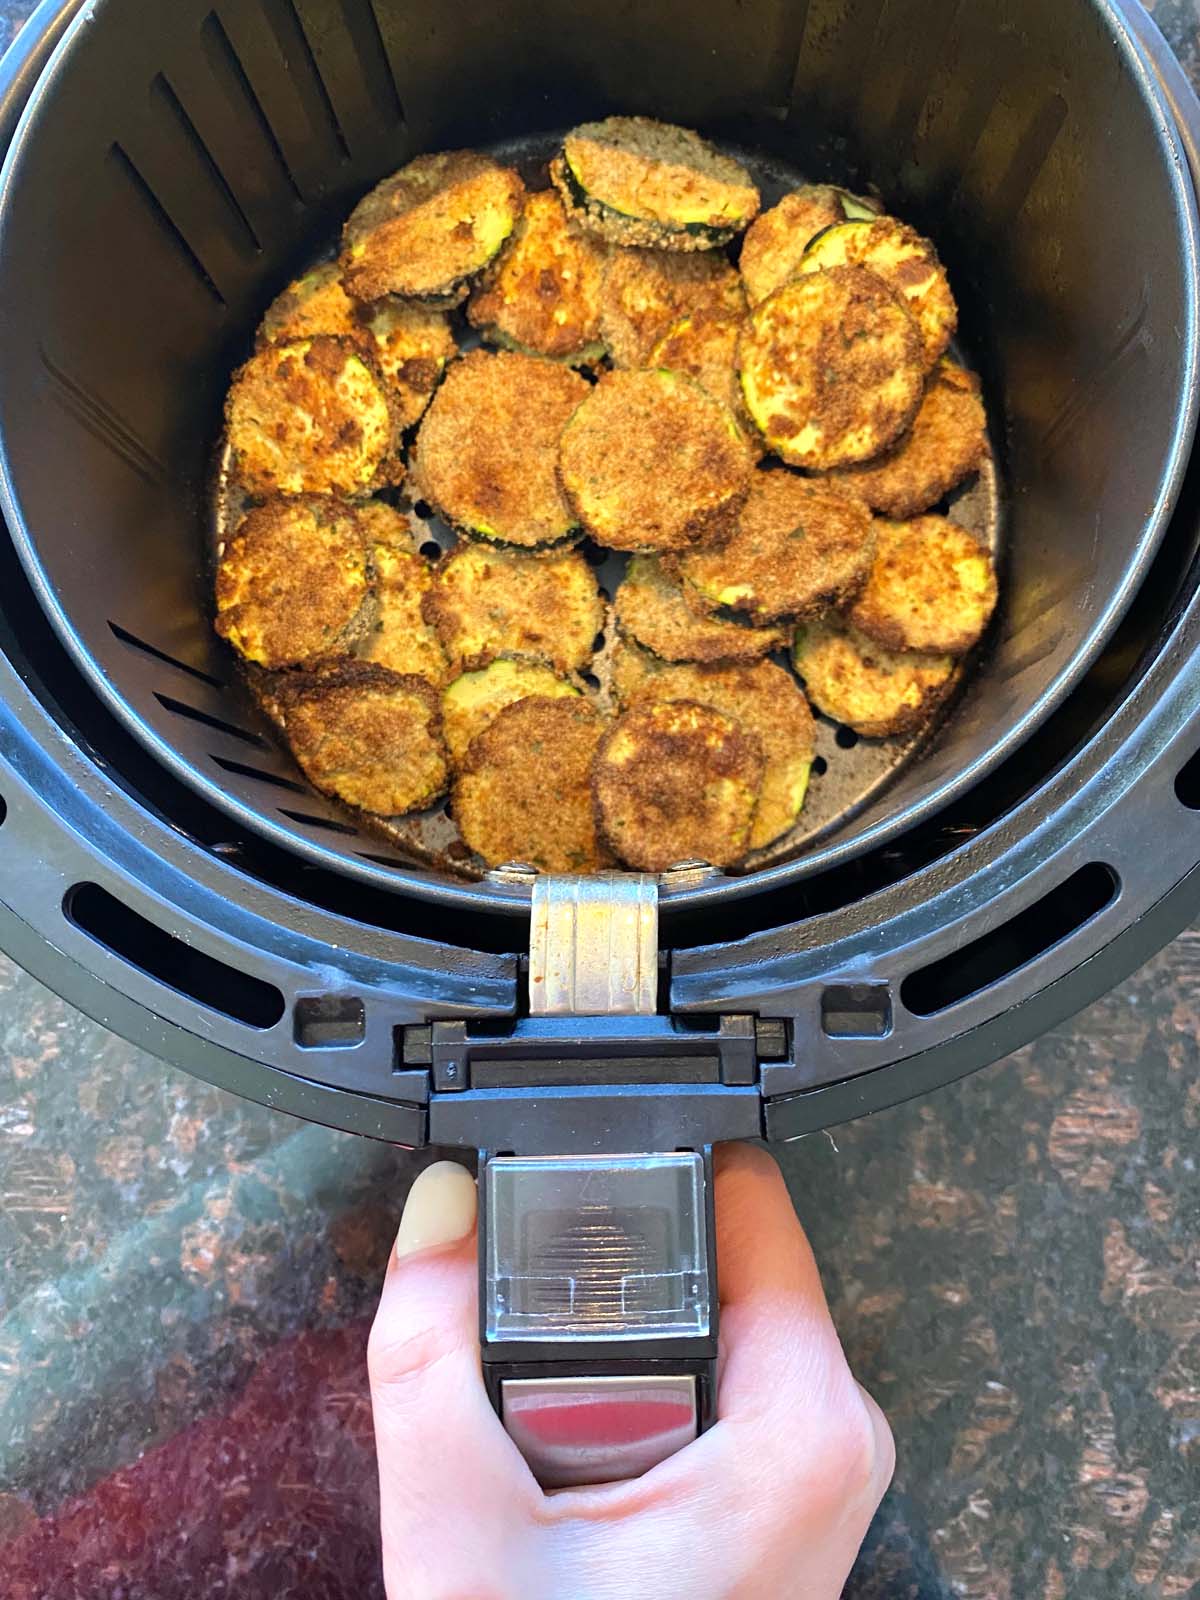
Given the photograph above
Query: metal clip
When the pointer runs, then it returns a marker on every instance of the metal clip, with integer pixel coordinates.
(593, 946)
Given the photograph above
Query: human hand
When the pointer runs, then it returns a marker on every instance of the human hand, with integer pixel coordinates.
(774, 1500)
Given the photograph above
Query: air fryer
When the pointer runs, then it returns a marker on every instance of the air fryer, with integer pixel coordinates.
(166, 867)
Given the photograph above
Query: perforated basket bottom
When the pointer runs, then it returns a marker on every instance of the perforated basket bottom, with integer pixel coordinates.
(848, 771)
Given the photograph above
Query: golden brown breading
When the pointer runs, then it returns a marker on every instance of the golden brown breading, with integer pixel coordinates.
(800, 547)
(932, 587)
(474, 699)
(487, 450)
(946, 443)
(645, 292)
(763, 698)
(423, 232)
(312, 417)
(410, 343)
(368, 736)
(705, 347)
(401, 640)
(485, 603)
(524, 793)
(776, 240)
(906, 262)
(650, 461)
(650, 607)
(876, 692)
(635, 181)
(295, 583)
(315, 303)
(831, 368)
(542, 293)
(677, 781)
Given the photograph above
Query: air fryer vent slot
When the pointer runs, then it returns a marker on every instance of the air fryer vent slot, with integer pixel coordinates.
(179, 709)
(168, 227)
(134, 643)
(239, 769)
(1013, 945)
(151, 949)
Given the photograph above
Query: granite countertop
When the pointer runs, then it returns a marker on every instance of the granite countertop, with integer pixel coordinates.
(188, 1281)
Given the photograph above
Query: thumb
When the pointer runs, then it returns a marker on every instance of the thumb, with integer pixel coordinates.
(438, 1440)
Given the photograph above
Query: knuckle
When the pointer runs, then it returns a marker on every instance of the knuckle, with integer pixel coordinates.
(399, 1356)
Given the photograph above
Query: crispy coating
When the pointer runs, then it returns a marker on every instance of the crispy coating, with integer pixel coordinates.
(763, 698)
(677, 781)
(932, 587)
(800, 547)
(876, 692)
(650, 608)
(315, 303)
(831, 368)
(486, 603)
(368, 736)
(295, 583)
(542, 293)
(650, 461)
(524, 793)
(312, 417)
(401, 639)
(645, 292)
(487, 450)
(474, 699)
(906, 262)
(704, 347)
(423, 232)
(410, 343)
(776, 240)
(946, 443)
(635, 181)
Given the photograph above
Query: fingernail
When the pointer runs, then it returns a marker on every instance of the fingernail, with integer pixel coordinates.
(440, 1209)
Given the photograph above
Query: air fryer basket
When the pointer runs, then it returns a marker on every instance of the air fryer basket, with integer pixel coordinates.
(197, 156)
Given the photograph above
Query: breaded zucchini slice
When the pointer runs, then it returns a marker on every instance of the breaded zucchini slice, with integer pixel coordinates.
(765, 699)
(486, 452)
(524, 793)
(401, 639)
(314, 303)
(776, 240)
(645, 292)
(368, 736)
(677, 781)
(876, 692)
(542, 292)
(635, 181)
(474, 699)
(651, 609)
(831, 368)
(313, 416)
(650, 461)
(800, 547)
(905, 261)
(704, 346)
(427, 230)
(946, 443)
(486, 603)
(932, 587)
(295, 583)
(410, 343)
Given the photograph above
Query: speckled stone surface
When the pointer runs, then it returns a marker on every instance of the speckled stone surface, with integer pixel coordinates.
(188, 1281)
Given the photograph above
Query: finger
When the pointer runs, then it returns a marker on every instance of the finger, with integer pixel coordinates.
(440, 1444)
(777, 1334)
